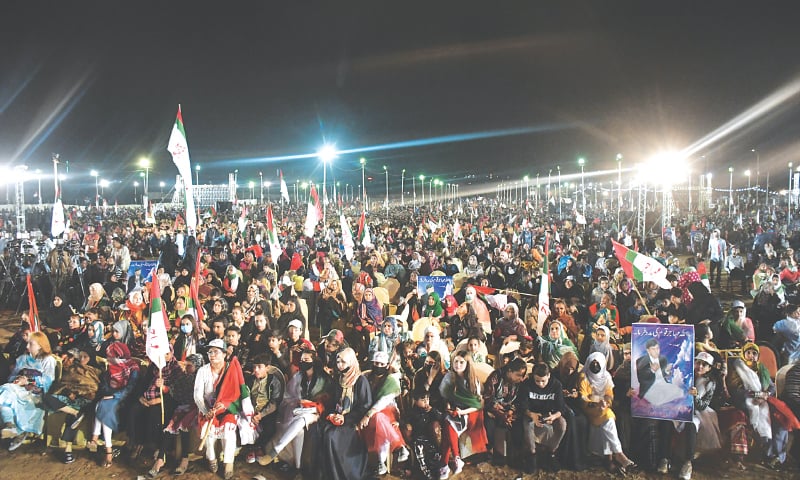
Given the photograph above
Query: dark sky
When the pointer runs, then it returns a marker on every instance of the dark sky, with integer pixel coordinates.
(99, 82)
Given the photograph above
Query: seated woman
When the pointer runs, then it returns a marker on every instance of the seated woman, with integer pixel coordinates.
(366, 319)
(380, 424)
(501, 397)
(189, 341)
(433, 307)
(120, 332)
(602, 344)
(433, 342)
(555, 344)
(429, 378)
(116, 384)
(343, 454)
(75, 391)
(183, 417)
(461, 389)
(387, 338)
(510, 328)
(31, 378)
(596, 390)
(754, 391)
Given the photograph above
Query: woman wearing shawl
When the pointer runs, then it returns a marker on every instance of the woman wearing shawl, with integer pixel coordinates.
(145, 421)
(184, 415)
(753, 391)
(76, 389)
(380, 424)
(510, 328)
(343, 452)
(461, 389)
(115, 385)
(58, 316)
(432, 341)
(689, 277)
(120, 332)
(596, 390)
(433, 307)
(367, 318)
(31, 377)
(97, 298)
(601, 344)
(480, 309)
(94, 331)
(230, 284)
(736, 328)
(555, 345)
(387, 339)
(501, 397)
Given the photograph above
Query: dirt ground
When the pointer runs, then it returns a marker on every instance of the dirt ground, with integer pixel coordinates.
(32, 461)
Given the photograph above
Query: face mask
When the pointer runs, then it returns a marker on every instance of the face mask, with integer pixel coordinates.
(469, 297)
(187, 329)
(306, 366)
(428, 368)
(380, 370)
(347, 369)
(594, 367)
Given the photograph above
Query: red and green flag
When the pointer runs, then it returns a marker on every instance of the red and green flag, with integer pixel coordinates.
(640, 267)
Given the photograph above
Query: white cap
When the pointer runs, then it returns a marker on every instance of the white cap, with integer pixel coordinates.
(296, 323)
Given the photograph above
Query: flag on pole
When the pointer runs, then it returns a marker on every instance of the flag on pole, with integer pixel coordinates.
(640, 267)
(363, 231)
(284, 188)
(272, 236)
(242, 223)
(194, 307)
(456, 230)
(156, 344)
(347, 237)
(33, 310)
(179, 149)
(701, 270)
(313, 214)
(544, 291)
(57, 225)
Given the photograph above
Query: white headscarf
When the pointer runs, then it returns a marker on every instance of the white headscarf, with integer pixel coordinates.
(600, 382)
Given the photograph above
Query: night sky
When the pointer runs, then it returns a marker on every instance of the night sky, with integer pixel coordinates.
(99, 83)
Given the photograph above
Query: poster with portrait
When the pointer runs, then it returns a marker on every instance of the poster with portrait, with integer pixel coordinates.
(662, 360)
(441, 284)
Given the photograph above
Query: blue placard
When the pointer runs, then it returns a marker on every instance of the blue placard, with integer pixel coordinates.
(443, 285)
(146, 266)
(662, 360)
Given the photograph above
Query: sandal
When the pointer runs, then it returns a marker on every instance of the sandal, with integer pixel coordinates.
(156, 468)
(109, 458)
(182, 467)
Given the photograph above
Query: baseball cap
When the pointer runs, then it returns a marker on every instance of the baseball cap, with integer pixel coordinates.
(335, 334)
(737, 304)
(296, 323)
(570, 277)
(217, 343)
(705, 357)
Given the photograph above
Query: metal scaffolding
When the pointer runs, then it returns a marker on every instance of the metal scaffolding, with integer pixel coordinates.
(19, 207)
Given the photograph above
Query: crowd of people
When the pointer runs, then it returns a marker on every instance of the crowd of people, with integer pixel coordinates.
(336, 365)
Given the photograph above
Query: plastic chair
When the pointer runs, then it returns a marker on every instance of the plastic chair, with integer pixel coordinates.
(769, 358)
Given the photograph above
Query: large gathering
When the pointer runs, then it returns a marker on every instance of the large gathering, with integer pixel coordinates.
(336, 362)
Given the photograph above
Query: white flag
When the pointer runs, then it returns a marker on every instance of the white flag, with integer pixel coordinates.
(179, 149)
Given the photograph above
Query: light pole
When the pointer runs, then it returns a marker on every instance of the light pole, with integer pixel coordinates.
(559, 191)
(758, 176)
(582, 162)
(422, 183)
(144, 162)
(252, 186)
(747, 174)
(162, 185)
(386, 200)
(261, 187)
(39, 179)
(537, 190)
(267, 184)
(730, 189)
(527, 188)
(619, 188)
(789, 215)
(363, 161)
(135, 186)
(403, 187)
(327, 154)
(197, 174)
(97, 187)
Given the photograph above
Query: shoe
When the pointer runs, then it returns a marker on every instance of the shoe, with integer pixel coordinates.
(663, 466)
(228, 471)
(213, 466)
(267, 458)
(459, 465)
(251, 457)
(382, 470)
(774, 463)
(9, 431)
(135, 452)
(17, 441)
(77, 422)
(555, 465)
(69, 458)
(108, 459)
(402, 456)
(686, 471)
(444, 473)
(156, 468)
(184, 465)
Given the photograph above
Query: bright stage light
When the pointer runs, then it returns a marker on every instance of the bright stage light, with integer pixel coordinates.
(104, 183)
(327, 153)
(666, 168)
